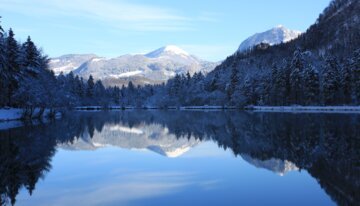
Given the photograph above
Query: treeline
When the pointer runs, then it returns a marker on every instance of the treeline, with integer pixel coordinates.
(27, 82)
(178, 91)
(302, 80)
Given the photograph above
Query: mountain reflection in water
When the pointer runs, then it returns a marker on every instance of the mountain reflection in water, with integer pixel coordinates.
(325, 145)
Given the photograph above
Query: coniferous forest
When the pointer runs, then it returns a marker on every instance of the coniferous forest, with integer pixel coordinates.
(321, 67)
(27, 82)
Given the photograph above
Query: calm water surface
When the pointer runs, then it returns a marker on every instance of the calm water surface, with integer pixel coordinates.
(183, 158)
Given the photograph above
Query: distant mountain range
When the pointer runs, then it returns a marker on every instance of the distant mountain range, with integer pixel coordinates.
(69, 62)
(158, 139)
(155, 67)
(152, 137)
(274, 36)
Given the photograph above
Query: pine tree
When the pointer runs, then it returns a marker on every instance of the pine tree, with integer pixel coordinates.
(234, 79)
(311, 85)
(175, 86)
(213, 84)
(12, 53)
(2, 50)
(12, 57)
(331, 82)
(79, 87)
(188, 77)
(282, 84)
(274, 91)
(32, 55)
(3, 74)
(99, 89)
(131, 86)
(355, 70)
(247, 89)
(346, 82)
(296, 78)
(90, 87)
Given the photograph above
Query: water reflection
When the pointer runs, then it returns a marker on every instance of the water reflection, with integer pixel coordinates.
(325, 145)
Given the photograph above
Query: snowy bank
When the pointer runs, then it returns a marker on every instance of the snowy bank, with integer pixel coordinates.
(102, 108)
(325, 109)
(8, 114)
(12, 118)
(205, 107)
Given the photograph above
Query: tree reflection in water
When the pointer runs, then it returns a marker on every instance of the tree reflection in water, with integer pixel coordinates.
(326, 145)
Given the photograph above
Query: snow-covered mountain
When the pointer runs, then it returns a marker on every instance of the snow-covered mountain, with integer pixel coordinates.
(154, 67)
(69, 62)
(280, 167)
(274, 36)
(153, 137)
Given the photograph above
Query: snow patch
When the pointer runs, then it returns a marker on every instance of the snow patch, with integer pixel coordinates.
(53, 61)
(126, 129)
(126, 74)
(170, 49)
(65, 69)
(177, 152)
(97, 59)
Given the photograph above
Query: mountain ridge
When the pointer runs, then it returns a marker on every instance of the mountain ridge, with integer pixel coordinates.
(152, 68)
(276, 35)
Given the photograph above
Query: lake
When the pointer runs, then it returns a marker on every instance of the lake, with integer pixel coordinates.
(150, 157)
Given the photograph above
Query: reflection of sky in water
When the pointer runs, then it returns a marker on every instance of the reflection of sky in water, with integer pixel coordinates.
(205, 174)
(178, 158)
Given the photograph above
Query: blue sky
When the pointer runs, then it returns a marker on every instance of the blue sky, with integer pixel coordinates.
(209, 29)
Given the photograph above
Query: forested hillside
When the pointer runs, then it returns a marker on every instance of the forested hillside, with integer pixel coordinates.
(321, 67)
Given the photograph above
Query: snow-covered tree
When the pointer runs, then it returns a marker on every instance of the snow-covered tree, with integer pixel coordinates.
(99, 92)
(79, 87)
(32, 55)
(355, 70)
(12, 68)
(274, 88)
(90, 87)
(12, 52)
(346, 82)
(311, 85)
(3, 74)
(212, 86)
(282, 83)
(296, 77)
(331, 84)
(230, 89)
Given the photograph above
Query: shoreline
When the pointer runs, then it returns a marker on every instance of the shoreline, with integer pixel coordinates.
(12, 117)
(305, 109)
(17, 114)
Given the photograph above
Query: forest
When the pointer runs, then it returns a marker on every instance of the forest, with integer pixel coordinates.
(26, 82)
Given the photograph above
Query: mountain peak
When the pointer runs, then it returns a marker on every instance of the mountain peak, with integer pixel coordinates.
(276, 35)
(167, 50)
